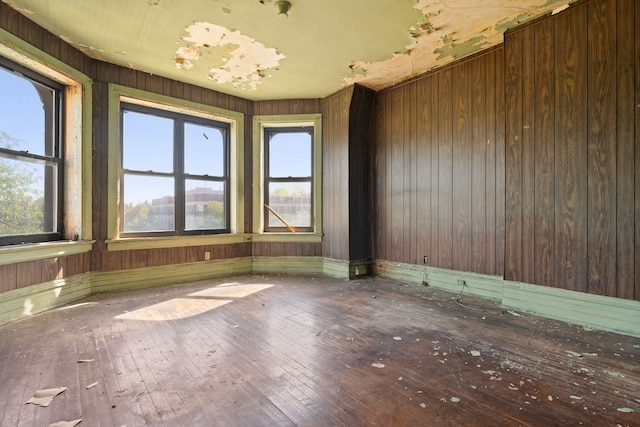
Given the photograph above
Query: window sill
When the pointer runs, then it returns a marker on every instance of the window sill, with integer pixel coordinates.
(125, 244)
(31, 252)
(287, 237)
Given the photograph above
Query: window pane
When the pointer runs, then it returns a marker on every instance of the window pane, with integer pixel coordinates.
(147, 142)
(22, 114)
(149, 203)
(203, 150)
(22, 201)
(204, 205)
(292, 201)
(290, 154)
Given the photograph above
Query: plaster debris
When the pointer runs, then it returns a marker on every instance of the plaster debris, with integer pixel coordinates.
(86, 360)
(475, 353)
(66, 423)
(397, 338)
(44, 397)
(92, 385)
(378, 365)
(237, 59)
(455, 399)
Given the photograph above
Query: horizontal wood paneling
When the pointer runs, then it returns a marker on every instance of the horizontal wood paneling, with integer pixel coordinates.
(570, 150)
(436, 154)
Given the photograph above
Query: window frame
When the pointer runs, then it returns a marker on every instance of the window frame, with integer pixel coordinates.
(179, 175)
(268, 179)
(75, 171)
(123, 94)
(294, 121)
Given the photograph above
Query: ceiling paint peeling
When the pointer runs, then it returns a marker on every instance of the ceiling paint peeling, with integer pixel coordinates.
(327, 44)
(449, 30)
(234, 58)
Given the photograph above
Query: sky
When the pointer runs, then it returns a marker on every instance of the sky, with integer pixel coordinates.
(149, 142)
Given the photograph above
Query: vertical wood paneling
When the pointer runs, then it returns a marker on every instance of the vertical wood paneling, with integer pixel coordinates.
(445, 177)
(601, 117)
(637, 152)
(544, 207)
(625, 162)
(527, 144)
(379, 177)
(513, 157)
(8, 277)
(29, 273)
(490, 233)
(479, 165)
(571, 153)
(423, 168)
(584, 159)
(500, 170)
(462, 164)
(396, 209)
(409, 182)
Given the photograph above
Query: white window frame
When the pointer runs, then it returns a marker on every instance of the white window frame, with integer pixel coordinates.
(118, 94)
(286, 121)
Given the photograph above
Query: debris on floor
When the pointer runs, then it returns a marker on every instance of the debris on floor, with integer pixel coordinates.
(66, 423)
(44, 397)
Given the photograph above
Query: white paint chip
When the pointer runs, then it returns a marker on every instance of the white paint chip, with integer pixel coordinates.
(92, 385)
(626, 410)
(455, 399)
(238, 59)
(378, 365)
(475, 353)
(66, 423)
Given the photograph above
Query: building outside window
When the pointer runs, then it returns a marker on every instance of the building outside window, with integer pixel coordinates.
(174, 174)
(31, 156)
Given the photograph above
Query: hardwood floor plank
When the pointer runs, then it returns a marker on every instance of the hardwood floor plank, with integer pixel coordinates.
(266, 350)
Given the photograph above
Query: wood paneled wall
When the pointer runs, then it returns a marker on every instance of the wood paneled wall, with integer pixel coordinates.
(438, 162)
(335, 174)
(572, 147)
(347, 174)
(23, 274)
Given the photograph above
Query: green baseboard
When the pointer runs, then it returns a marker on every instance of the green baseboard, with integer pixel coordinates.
(111, 281)
(593, 311)
(24, 302)
(286, 265)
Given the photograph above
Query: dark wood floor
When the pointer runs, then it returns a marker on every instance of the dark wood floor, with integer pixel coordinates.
(284, 351)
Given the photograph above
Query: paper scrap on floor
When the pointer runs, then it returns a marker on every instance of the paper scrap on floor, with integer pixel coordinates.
(44, 397)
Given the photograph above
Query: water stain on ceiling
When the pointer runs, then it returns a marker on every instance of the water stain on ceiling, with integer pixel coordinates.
(246, 48)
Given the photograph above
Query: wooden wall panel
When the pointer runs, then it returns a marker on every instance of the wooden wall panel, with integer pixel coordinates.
(574, 173)
(359, 174)
(335, 183)
(436, 156)
(636, 245)
(625, 162)
(445, 168)
(8, 277)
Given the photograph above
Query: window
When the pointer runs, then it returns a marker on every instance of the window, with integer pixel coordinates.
(31, 156)
(287, 166)
(175, 177)
(288, 190)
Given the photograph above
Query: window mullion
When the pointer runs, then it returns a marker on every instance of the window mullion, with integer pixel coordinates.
(180, 178)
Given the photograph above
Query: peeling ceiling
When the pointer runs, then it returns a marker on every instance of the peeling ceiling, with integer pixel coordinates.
(246, 48)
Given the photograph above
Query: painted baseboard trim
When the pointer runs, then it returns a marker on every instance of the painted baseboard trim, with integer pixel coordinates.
(138, 278)
(595, 311)
(474, 284)
(287, 265)
(24, 302)
(588, 310)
